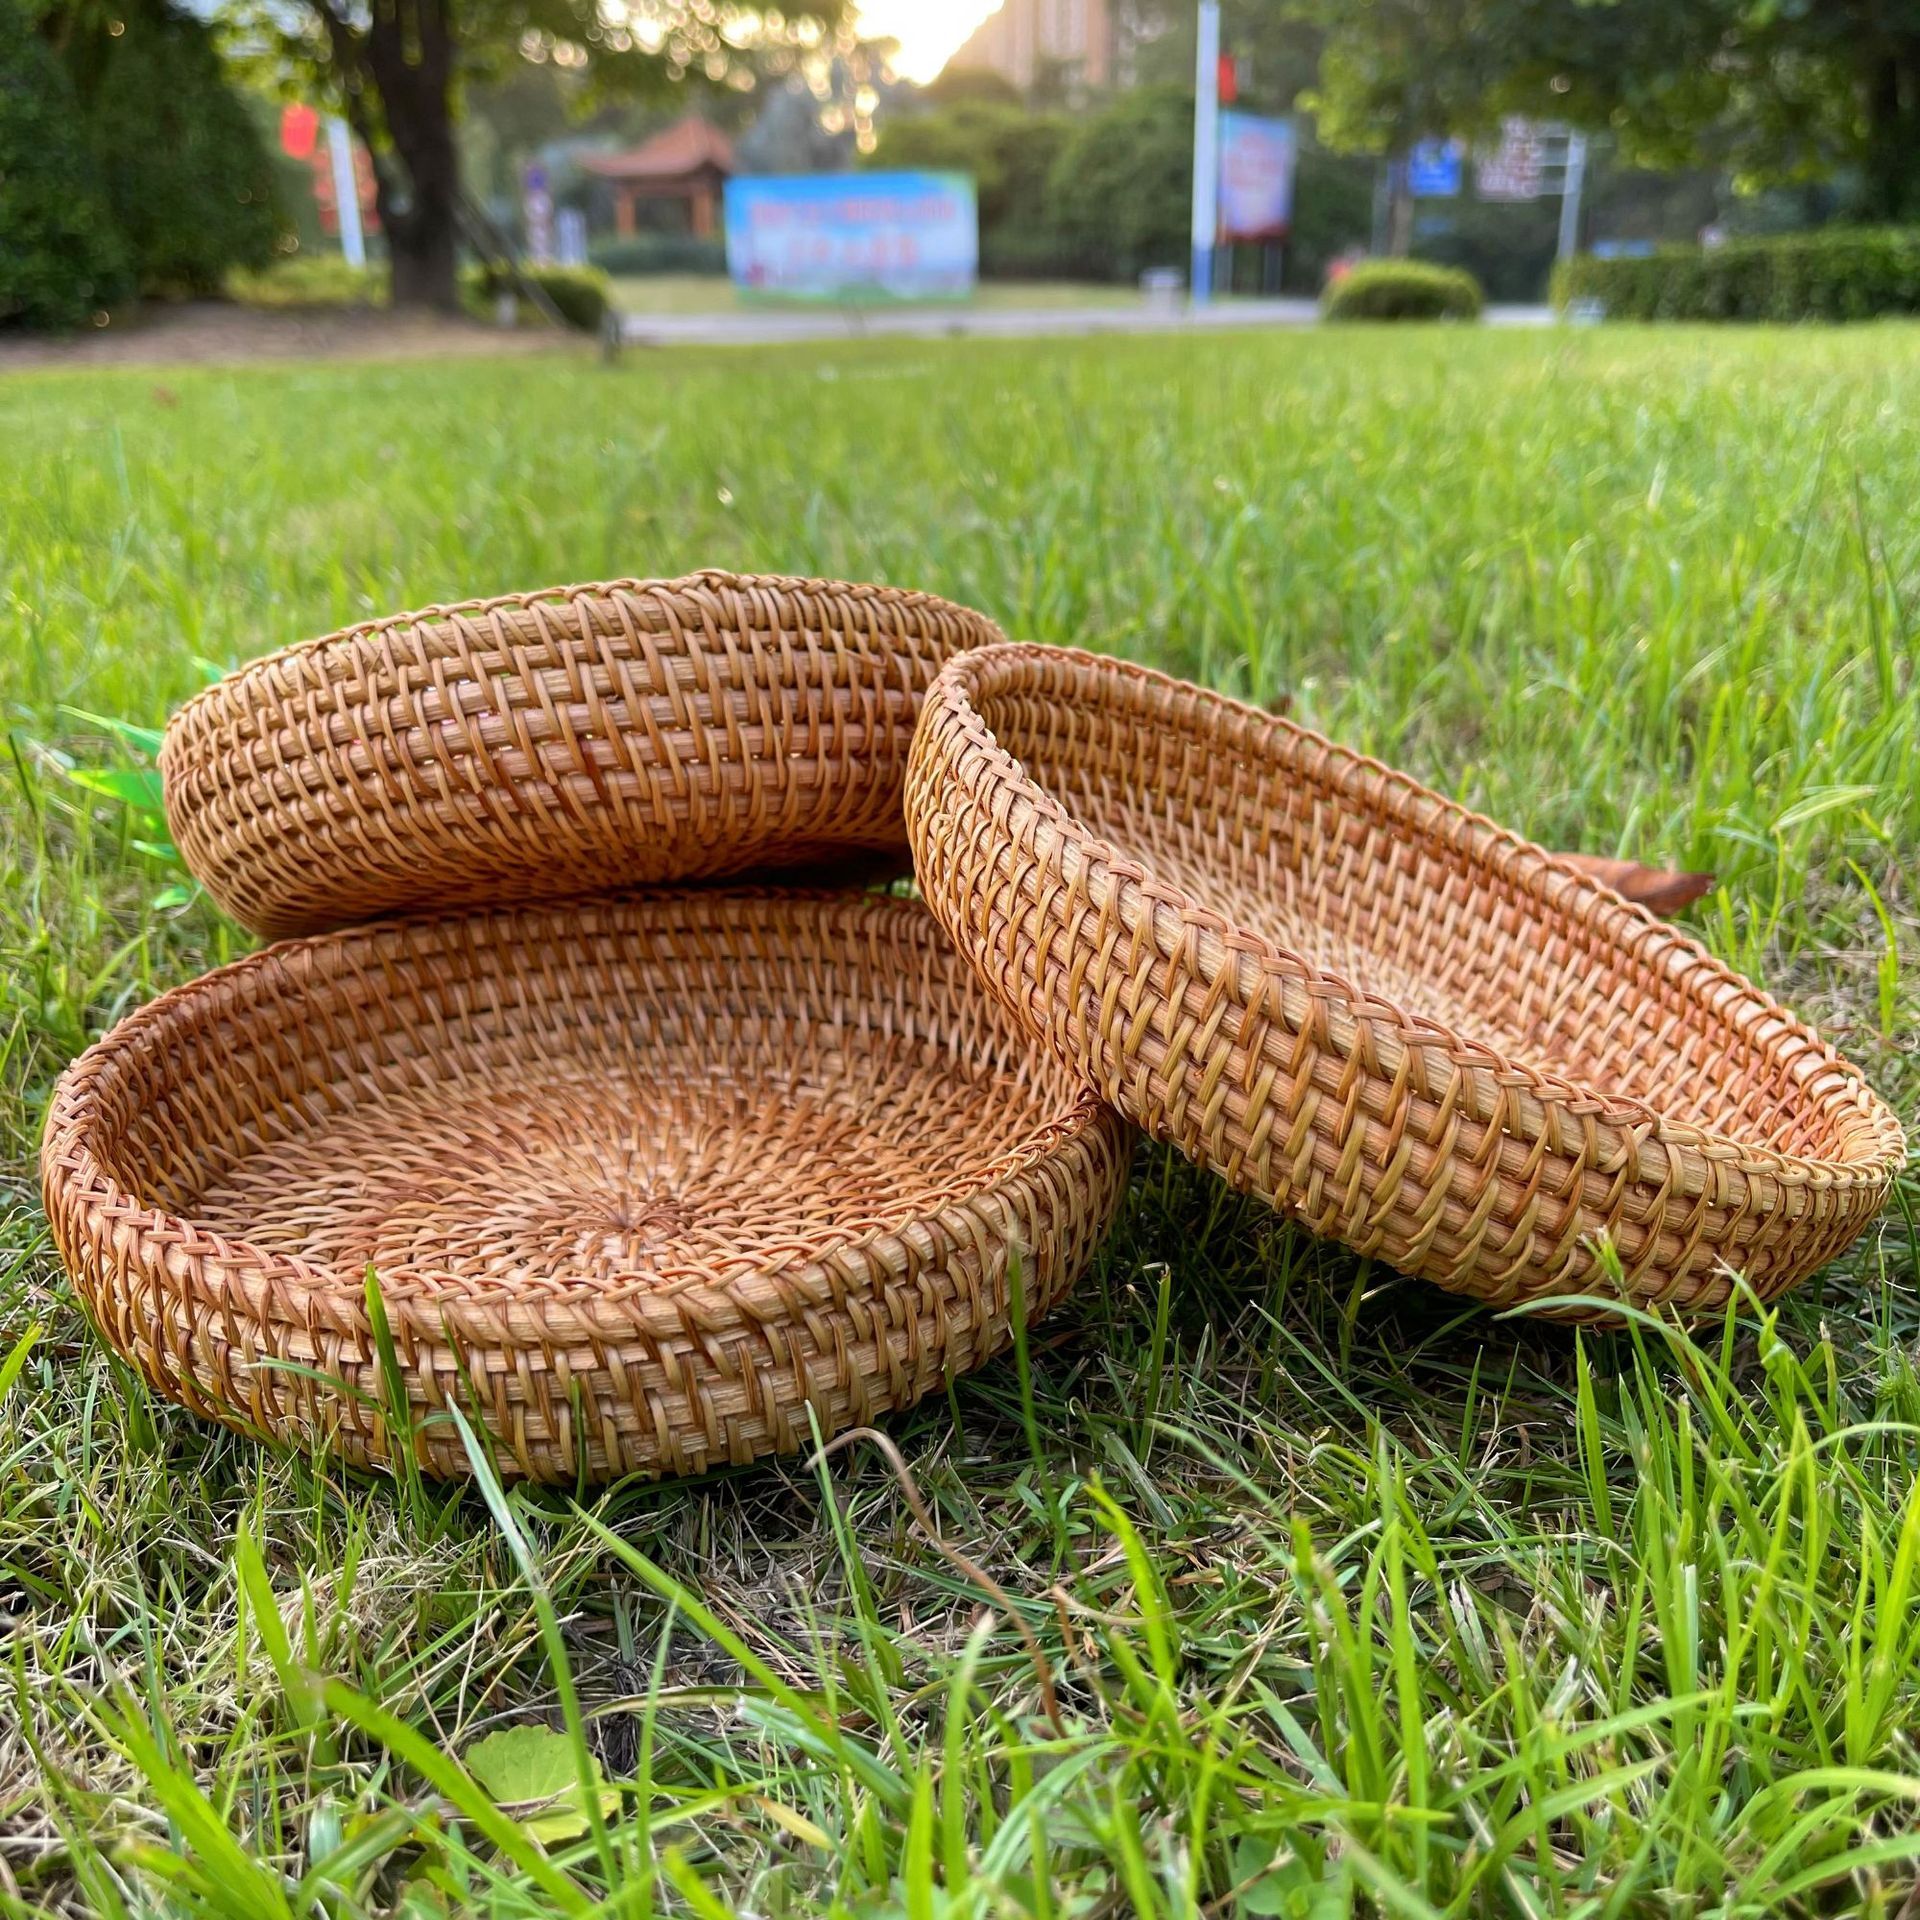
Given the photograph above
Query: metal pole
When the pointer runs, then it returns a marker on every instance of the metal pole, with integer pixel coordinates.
(346, 191)
(1206, 149)
(1571, 188)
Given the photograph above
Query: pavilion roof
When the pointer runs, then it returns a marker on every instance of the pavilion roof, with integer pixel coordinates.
(672, 154)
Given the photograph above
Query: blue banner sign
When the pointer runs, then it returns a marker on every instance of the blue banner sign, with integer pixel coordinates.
(854, 236)
(1256, 177)
(1434, 168)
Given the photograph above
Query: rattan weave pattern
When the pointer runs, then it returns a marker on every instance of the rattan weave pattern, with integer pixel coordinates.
(1410, 1029)
(643, 1178)
(550, 744)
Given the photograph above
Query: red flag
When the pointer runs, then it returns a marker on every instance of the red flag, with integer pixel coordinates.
(299, 129)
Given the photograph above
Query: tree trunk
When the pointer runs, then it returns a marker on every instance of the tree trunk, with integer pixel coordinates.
(423, 234)
(424, 261)
(1399, 215)
(404, 55)
(1890, 162)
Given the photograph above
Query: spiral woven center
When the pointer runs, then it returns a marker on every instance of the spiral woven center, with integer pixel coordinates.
(579, 1179)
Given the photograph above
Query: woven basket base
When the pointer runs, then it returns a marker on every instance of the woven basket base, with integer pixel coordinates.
(643, 1181)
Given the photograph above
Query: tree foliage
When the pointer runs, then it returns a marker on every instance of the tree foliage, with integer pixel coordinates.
(1010, 154)
(188, 178)
(1775, 89)
(398, 69)
(61, 257)
(954, 86)
(1122, 188)
(1276, 50)
(1106, 195)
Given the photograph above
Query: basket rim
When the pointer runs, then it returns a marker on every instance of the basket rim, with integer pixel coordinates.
(285, 1287)
(1108, 870)
(567, 594)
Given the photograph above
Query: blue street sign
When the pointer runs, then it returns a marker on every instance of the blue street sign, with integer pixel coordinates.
(1434, 169)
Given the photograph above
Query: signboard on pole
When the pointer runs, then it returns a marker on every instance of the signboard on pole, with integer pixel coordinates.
(536, 214)
(343, 190)
(1256, 177)
(1434, 169)
(1516, 168)
(854, 236)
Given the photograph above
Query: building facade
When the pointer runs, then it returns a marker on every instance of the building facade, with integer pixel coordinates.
(1073, 41)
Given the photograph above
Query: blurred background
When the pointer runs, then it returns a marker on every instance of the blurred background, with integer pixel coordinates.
(543, 160)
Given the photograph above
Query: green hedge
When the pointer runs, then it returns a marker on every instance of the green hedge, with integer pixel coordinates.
(309, 280)
(580, 293)
(1843, 273)
(1402, 290)
(643, 253)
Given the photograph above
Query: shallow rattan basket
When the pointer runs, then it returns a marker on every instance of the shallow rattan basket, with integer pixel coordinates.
(1413, 1031)
(643, 1179)
(549, 744)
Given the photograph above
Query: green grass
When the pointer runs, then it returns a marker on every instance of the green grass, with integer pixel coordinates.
(709, 293)
(1354, 1599)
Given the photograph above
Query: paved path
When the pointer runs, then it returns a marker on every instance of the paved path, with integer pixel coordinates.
(215, 332)
(756, 328)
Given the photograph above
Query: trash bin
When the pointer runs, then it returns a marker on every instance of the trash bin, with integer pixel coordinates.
(1160, 287)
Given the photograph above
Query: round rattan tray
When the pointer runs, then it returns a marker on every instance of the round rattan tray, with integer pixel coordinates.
(551, 744)
(642, 1179)
(1415, 1032)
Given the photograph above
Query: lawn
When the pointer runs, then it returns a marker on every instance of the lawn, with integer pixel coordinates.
(656, 293)
(1355, 1599)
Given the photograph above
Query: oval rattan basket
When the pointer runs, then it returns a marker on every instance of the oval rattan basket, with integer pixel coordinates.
(1413, 1031)
(643, 1179)
(549, 744)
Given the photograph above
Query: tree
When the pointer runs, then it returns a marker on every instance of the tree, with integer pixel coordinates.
(60, 255)
(1122, 188)
(397, 68)
(188, 178)
(956, 86)
(1276, 52)
(786, 135)
(1778, 92)
(1010, 154)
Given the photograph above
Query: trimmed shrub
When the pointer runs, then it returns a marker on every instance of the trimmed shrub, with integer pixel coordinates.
(580, 293)
(189, 180)
(308, 280)
(61, 258)
(1402, 290)
(644, 253)
(1842, 273)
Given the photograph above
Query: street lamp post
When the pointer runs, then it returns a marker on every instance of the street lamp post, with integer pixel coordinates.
(1572, 184)
(1206, 148)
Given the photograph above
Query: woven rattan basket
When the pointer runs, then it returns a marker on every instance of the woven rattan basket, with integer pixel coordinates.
(557, 743)
(1413, 1031)
(643, 1179)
